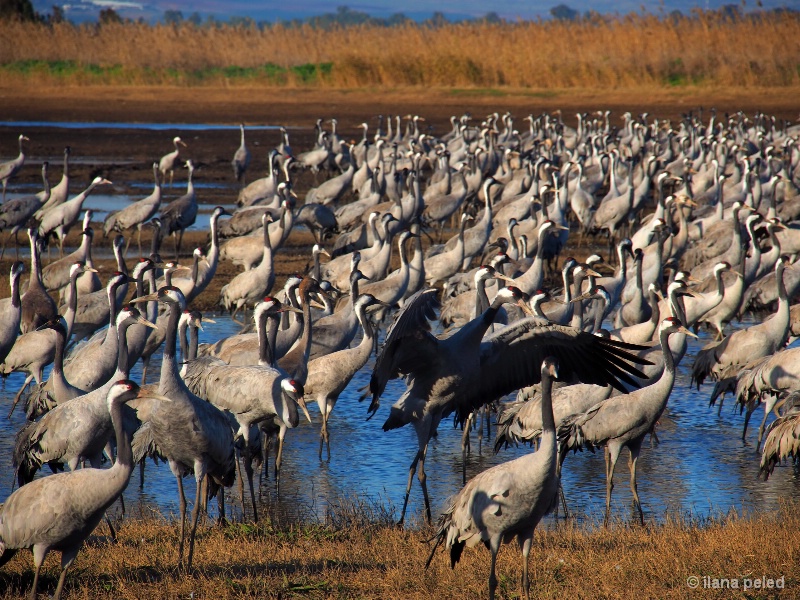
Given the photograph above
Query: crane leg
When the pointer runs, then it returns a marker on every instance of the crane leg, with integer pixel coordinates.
(611, 462)
(634, 457)
(145, 364)
(241, 482)
(248, 469)
(18, 395)
(747, 416)
(494, 548)
(465, 446)
(483, 412)
(525, 546)
(761, 428)
(182, 505)
(195, 516)
(279, 458)
(423, 481)
(141, 474)
(139, 238)
(221, 520)
(39, 555)
(411, 470)
(67, 558)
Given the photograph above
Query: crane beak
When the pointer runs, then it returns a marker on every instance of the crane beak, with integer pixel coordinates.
(207, 320)
(147, 298)
(301, 401)
(290, 309)
(525, 308)
(683, 329)
(142, 321)
(90, 270)
(505, 278)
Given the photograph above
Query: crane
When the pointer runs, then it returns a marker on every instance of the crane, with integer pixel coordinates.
(61, 511)
(463, 372)
(508, 500)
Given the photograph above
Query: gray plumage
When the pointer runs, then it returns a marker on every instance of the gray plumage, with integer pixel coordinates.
(181, 213)
(783, 441)
(37, 306)
(11, 313)
(136, 214)
(77, 430)
(623, 421)
(60, 512)
(509, 500)
(10, 168)
(60, 219)
(192, 434)
(463, 372)
(59, 192)
(721, 360)
(169, 160)
(252, 394)
(241, 158)
(250, 286)
(15, 213)
(329, 375)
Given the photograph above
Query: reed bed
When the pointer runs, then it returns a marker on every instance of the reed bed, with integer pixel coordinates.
(368, 558)
(634, 51)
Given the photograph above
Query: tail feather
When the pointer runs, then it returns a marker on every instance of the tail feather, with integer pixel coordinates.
(25, 465)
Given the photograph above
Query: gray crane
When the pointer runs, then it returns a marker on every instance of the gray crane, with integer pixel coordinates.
(181, 213)
(59, 192)
(623, 421)
(136, 214)
(44, 398)
(265, 187)
(249, 286)
(77, 430)
(60, 512)
(329, 375)
(10, 168)
(34, 350)
(169, 160)
(252, 393)
(509, 500)
(783, 440)
(193, 435)
(55, 276)
(91, 363)
(11, 313)
(15, 213)
(463, 372)
(60, 219)
(722, 360)
(241, 159)
(441, 267)
(295, 361)
(37, 306)
(770, 380)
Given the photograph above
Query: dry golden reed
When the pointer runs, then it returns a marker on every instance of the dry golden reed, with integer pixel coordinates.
(379, 561)
(706, 49)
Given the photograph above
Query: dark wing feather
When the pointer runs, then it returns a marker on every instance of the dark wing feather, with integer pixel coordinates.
(409, 344)
(512, 357)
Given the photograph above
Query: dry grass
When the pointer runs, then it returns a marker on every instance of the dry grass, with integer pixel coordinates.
(705, 49)
(370, 559)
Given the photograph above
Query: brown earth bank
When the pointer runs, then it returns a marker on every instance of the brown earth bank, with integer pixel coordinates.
(126, 155)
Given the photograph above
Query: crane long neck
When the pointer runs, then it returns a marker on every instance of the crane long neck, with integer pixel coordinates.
(58, 360)
(264, 348)
(183, 325)
(669, 361)
(72, 304)
(123, 368)
(124, 461)
(169, 366)
(548, 420)
(15, 300)
(194, 342)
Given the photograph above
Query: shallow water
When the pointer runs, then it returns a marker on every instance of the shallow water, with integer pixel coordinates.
(700, 468)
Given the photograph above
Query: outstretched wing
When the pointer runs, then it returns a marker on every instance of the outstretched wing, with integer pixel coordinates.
(511, 359)
(409, 347)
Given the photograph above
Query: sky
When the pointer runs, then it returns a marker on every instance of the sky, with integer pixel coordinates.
(260, 10)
